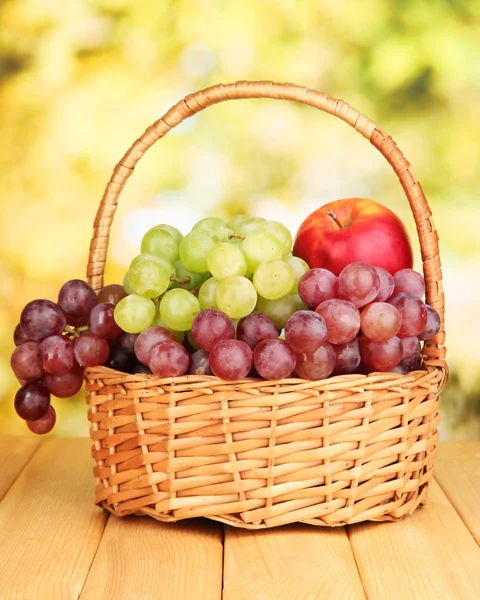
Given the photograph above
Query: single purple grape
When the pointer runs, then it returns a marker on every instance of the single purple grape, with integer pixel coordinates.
(274, 359)
(359, 283)
(342, 319)
(200, 363)
(56, 354)
(45, 424)
(76, 298)
(305, 331)
(32, 401)
(381, 356)
(413, 312)
(168, 359)
(255, 328)
(127, 341)
(316, 286)
(112, 294)
(148, 338)
(347, 357)
(211, 326)
(26, 362)
(120, 359)
(65, 385)
(318, 365)
(433, 324)
(41, 319)
(409, 281)
(102, 323)
(90, 350)
(231, 359)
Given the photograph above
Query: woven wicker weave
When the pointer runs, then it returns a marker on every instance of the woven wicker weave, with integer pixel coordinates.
(257, 453)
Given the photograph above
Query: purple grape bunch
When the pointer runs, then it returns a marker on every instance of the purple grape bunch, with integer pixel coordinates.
(54, 341)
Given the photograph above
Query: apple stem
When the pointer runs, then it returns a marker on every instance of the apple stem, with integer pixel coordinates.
(332, 215)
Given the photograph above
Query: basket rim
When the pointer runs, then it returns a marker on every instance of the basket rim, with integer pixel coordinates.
(353, 380)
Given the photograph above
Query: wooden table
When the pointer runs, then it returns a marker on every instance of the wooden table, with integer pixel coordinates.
(54, 543)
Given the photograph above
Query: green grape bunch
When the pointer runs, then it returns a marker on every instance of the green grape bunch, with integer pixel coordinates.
(239, 267)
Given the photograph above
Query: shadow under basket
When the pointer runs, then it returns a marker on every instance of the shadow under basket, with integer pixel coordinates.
(256, 453)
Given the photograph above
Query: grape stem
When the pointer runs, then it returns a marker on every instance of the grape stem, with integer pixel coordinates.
(75, 332)
(234, 236)
(183, 282)
(333, 216)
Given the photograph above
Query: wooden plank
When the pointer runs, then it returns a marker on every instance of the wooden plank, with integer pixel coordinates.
(429, 555)
(457, 470)
(49, 526)
(19, 451)
(293, 562)
(141, 558)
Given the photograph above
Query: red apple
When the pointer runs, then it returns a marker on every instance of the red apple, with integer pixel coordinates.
(352, 229)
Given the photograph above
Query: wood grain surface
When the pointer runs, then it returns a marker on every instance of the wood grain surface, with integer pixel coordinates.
(16, 452)
(144, 559)
(457, 470)
(54, 543)
(49, 527)
(429, 556)
(292, 562)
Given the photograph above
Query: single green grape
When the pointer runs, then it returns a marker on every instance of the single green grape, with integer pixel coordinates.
(194, 249)
(225, 260)
(149, 279)
(260, 246)
(236, 296)
(300, 267)
(236, 220)
(248, 226)
(178, 309)
(278, 310)
(161, 243)
(207, 294)
(166, 264)
(126, 285)
(195, 280)
(159, 322)
(173, 231)
(281, 233)
(216, 227)
(273, 279)
(134, 313)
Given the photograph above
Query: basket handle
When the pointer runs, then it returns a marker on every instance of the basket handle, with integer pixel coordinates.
(434, 350)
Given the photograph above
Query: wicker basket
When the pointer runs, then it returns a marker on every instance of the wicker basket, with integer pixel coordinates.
(257, 453)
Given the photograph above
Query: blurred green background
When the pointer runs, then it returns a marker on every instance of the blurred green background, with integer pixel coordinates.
(80, 80)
